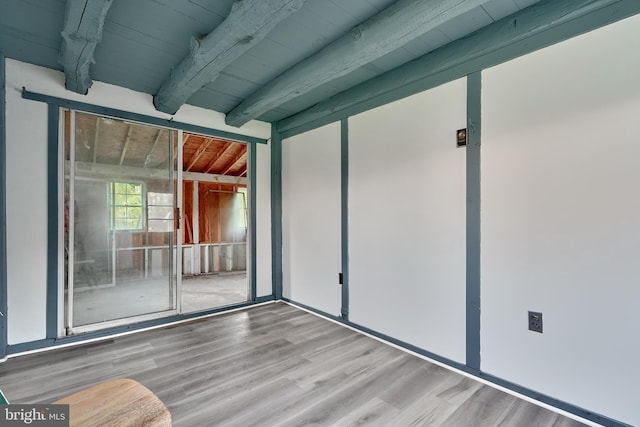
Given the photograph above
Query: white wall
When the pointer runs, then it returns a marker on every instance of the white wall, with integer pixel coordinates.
(311, 221)
(561, 222)
(263, 214)
(27, 181)
(26, 171)
(407, 220)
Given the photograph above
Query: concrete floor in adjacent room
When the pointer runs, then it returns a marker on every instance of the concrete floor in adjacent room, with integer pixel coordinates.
(213, 290)
(153, 295)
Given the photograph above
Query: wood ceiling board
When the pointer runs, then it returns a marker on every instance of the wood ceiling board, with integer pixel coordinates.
(225, 83)
(237, 167)
(156, 154)
(171, 24)
(391, 59)
(246, 26)
(230, 155)
(31, 31)
(85, 137)
(37, 54)
(302, 103)
(203, 163)
(402, 22)
(227, 92)
(121, 75)
(220, 8)
(144, 41)
(318, 94)
(139, 143)
(524, 3)
(263, 62)
(305, 32)
(379, 4)
(124, 49)
(216, 160)
(299, 37)
(427, 42)
(213, 100)
(361, 11)
(277, 114)
(116, 34)
(498, 9)
(113, 134)
(466, 23)
(197, 154)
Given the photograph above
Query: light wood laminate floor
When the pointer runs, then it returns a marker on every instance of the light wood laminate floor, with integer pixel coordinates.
(274, 365)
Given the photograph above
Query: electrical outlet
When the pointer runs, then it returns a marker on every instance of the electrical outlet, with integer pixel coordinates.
(535, 321)
(461, 137)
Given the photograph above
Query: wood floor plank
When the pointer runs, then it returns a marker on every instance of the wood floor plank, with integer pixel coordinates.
(485, 407)
(374, 412)
(274, 365)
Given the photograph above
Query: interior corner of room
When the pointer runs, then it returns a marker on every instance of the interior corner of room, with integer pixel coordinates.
(457, 214)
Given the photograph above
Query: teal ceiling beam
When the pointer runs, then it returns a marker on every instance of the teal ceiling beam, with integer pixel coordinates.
(82, 32)
(391, 29)
(248, 23)
(543, 24)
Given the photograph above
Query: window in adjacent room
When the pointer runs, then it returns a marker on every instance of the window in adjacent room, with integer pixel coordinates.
(159, 212)
(126, 205)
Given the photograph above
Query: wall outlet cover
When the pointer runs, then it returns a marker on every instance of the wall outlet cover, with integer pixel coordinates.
(535, 321)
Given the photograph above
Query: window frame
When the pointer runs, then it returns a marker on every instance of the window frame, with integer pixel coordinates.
(113, 205)
(149, 219)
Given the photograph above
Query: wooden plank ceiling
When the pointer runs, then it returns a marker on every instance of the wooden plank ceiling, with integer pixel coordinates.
(278, 60)
(248, 59)
(105, 141)
(214, 156)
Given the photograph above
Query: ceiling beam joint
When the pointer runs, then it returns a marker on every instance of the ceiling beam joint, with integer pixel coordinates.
(391, 29)
(221, 153)
(201, 149)
(82, 31)
(249, 22)
(126, 145)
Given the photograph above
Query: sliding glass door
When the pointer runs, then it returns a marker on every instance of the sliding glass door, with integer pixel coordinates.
(120, 227)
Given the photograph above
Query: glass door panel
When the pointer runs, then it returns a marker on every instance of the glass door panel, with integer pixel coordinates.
(119, 221)
(214, 213)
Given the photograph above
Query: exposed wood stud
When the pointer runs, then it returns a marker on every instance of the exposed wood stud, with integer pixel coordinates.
(133, 172)
(242, 155)
(147, 158)
(195, 209)
(222, 152)
(96, 139)
(126, 145)
(83, 23)
(199, 153)
(248, 23)
(394, 27)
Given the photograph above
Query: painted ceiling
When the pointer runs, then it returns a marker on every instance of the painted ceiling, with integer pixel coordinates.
(265, 60)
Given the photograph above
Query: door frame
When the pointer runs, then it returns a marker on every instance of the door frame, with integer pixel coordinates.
(66, 326)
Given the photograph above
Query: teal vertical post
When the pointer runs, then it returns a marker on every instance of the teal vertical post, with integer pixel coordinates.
(474, 123)
(276, 211)
(3, 213)
(253, 221)
(344, 195)
(52, 220)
